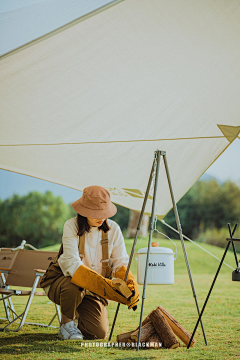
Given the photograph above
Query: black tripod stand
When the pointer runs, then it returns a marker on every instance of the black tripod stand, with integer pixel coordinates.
(154, 175)
(235, 274)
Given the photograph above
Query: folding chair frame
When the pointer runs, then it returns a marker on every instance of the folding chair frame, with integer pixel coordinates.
(6, 300)
(23, 315)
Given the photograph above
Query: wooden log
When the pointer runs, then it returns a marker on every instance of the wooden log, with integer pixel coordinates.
(146, 320)
(146, 331)
(177, 328)
(122, 287)
(155, 339)
(125, 336)
(164, 330)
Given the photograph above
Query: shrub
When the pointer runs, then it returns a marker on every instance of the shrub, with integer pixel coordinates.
(217, 237)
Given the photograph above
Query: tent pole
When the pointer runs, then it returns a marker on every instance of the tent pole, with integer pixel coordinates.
(158, 154)
(182, 241)
(136, 237)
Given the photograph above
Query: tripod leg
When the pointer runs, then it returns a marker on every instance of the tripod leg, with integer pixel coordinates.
(136, 237)
(149, 243)
(182, 241)
(233, 245)
(209, 293)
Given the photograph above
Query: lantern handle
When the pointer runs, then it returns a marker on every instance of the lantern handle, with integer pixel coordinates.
(155, 229)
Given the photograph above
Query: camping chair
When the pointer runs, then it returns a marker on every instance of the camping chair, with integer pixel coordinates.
(7, 257)
(6, 261)
(24, 273)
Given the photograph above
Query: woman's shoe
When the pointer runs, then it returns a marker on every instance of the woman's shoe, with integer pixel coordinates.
(69, 331)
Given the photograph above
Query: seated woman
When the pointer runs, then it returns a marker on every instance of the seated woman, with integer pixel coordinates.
(80, 279)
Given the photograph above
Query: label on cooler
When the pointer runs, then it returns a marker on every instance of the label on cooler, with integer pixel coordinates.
(157, 264)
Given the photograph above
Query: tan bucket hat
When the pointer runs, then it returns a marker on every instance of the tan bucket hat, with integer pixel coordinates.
(95, 203)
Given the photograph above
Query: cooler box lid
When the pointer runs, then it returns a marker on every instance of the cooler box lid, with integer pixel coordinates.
(155, 250)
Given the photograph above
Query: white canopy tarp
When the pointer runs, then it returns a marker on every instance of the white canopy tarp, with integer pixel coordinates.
(89, 103)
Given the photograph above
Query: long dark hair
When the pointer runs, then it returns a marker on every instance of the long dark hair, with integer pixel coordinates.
(83, 225)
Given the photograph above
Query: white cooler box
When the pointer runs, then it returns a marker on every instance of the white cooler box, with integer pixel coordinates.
(161, 266)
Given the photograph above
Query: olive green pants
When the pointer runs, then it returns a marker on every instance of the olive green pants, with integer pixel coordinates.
(89, 310)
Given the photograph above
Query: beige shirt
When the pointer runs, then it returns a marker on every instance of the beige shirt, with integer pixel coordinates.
(70, 261)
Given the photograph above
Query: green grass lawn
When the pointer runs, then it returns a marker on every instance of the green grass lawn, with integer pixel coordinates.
(221, 317)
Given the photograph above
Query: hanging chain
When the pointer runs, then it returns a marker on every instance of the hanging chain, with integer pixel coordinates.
(155, 229)
(155, 223)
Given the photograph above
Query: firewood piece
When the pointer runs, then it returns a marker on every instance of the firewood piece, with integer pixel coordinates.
(164, 330)
(154, 338)
(121, 286)
(146, 331)
(125, 336)
(145, 321)
(177, 328)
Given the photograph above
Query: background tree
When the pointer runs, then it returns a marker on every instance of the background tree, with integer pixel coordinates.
(207, 205)
(133, 223)
(122, 217)
(37, 218)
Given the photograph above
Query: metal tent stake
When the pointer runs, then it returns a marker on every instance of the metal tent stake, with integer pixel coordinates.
(154, 176)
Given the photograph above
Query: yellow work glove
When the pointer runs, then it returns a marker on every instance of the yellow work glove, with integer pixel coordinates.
(132, 285)
(115, 289)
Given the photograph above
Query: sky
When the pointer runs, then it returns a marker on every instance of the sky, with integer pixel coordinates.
(226, 167)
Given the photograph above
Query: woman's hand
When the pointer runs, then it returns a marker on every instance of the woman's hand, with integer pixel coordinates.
(116, 289)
